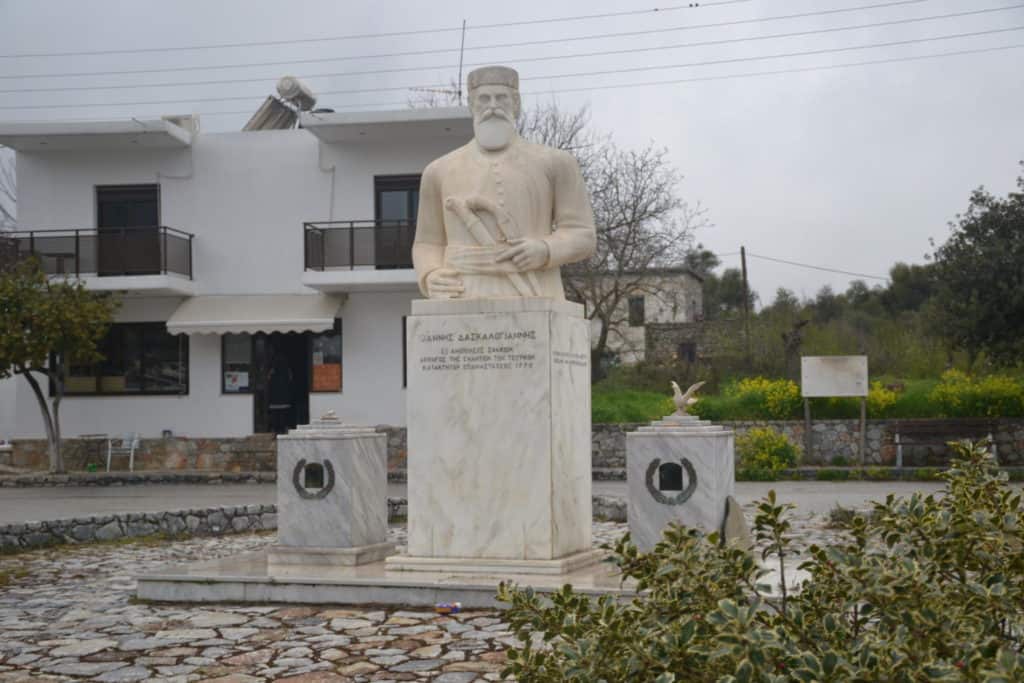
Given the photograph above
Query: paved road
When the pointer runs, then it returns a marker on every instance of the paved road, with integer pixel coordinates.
(20, 505)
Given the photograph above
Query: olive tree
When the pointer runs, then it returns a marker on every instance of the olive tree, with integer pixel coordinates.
(46, 325)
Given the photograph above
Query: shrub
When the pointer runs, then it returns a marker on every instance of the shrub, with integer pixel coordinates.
(840, 461)
(880, 400)
(754, 398)
(764, 450)
(924, 588)
(961, 395)
(826, 474)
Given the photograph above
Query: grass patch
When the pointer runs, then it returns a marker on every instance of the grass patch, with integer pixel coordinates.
(622, 405)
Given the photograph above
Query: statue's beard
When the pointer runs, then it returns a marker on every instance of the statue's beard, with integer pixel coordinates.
(493, 130)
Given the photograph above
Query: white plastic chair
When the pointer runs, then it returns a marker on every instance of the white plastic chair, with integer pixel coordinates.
(125, 445)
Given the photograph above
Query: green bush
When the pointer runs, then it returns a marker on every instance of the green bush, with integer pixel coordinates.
(826, 474)
(961, 395)
(921, 589)
(753, 398)
(764, 450)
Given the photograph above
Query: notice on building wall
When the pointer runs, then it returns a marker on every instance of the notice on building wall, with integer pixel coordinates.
(327, 377)
(236, 381)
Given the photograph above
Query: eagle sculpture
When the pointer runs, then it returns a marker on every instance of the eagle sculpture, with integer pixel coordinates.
(683, 401)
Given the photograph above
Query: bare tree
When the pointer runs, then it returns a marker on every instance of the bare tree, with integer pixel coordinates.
(643, 226)
(642, 223)
(8, 194)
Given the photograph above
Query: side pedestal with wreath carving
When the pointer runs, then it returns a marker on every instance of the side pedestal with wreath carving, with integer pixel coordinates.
(331, 496)
(679, 469)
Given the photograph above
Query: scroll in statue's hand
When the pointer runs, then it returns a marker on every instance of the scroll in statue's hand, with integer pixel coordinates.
(526, 254)
(444, 283)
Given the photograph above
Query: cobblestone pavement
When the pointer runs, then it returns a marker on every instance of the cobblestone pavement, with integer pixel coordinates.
(69, 613)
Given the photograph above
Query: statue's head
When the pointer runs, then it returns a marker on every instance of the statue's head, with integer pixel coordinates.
(494, 101)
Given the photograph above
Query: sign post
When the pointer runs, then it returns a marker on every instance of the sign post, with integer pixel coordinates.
(834, 376)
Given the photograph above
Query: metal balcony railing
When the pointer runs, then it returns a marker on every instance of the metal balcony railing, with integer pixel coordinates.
(380, 244)
(140, 250)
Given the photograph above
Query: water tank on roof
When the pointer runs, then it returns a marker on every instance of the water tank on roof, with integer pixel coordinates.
(296, 92)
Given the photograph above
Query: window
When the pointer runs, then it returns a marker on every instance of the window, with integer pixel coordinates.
(325, 360)
(138, 358)
(687, 352)
(127, 220)
(236, 363)
(396, 202)
(636, 311)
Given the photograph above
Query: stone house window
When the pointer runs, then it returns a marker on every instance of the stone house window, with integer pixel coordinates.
(636, 311)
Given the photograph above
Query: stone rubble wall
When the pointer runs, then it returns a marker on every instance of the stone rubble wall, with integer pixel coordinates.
(258, 453)
(128, 478)
(830, 438)
(195, 522)
(210, 521)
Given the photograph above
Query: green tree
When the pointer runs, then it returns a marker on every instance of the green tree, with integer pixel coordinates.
(910, 286)
(979, 278)
(45, 325)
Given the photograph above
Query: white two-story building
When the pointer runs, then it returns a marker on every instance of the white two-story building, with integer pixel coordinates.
(264, 276)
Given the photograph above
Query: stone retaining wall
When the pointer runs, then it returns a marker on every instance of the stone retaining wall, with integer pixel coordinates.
(127, 478)
(211, 521)
(830, 439)
(258, 453)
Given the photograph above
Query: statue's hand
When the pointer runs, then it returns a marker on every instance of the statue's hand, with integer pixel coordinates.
(444, 283)
(526, 254)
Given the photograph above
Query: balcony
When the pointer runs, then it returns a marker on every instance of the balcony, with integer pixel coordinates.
(147, 260)
(352, 256)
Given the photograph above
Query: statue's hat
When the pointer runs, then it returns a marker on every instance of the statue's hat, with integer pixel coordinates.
(493, 75)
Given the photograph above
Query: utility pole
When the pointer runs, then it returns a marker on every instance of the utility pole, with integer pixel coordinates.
(746, 303)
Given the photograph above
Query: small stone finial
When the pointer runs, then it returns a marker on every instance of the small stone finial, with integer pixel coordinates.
(683, 401)
(329, 416)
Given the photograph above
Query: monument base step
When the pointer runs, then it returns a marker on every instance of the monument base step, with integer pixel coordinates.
(250, 578)
(284, 555)
(466, 565)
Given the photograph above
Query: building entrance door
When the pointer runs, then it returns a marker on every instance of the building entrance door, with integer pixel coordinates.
(280, 382)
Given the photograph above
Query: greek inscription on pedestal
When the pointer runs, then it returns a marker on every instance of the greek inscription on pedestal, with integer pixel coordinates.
(477, 350)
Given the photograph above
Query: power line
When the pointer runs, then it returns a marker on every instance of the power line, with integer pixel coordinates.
(697, 79)
(605, 72)
(419, 53)
(823, 268)
(602, 53)
(779, 55)
(389, 34)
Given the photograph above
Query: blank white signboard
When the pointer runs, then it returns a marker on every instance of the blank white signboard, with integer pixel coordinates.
(828, 376)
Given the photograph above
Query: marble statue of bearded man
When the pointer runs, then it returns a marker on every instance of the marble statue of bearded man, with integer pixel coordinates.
(499, 215)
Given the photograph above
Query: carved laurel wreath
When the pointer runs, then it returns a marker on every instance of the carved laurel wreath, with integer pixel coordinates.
(322, 493)
(682, 496)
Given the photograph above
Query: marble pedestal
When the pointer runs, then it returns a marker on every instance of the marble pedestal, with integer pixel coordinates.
(331, 496)
(499, 437)
(679, 469)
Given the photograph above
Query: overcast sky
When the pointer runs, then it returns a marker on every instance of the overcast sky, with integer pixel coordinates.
(849, 168)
